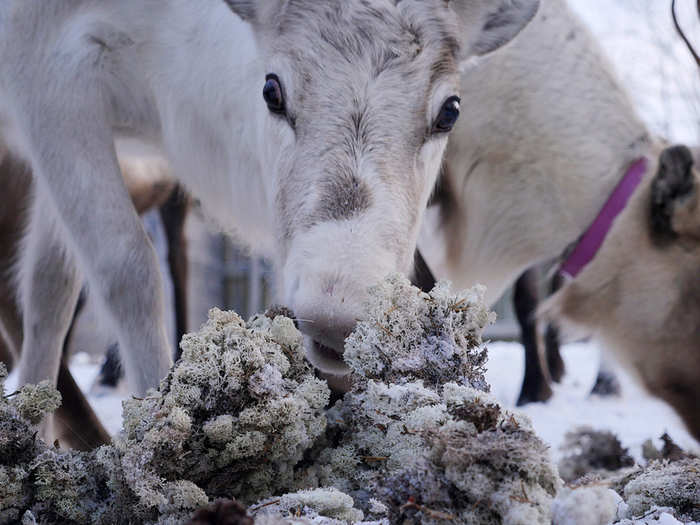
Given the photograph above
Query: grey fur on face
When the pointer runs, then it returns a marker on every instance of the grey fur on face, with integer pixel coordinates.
(360, 101)
(342, 197)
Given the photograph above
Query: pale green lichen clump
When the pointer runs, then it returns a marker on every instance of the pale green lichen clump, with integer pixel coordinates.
(663, 484)
(418, 439)
(662, 492)
(233, 417)
(418, 435)
(409, 334)
(316, 506)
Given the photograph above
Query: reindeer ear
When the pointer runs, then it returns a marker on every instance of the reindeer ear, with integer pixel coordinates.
(243, 8)
(490, 24)
(673, 208)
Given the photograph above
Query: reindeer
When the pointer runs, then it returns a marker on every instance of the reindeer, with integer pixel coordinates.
(149, 187)
(641, 295)
(521, 185)
(329, 171)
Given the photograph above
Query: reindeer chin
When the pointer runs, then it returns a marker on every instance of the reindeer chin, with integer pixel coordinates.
(324, 358)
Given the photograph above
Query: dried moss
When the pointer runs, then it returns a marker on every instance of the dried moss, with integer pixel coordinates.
(590, 451)
(418, 439)
(419, 434)
(672, 485)
(670, 450)
(222, 512)
(234, 416)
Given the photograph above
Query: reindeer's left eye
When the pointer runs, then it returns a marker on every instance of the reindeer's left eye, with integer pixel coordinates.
(447, 118)
(273, 94)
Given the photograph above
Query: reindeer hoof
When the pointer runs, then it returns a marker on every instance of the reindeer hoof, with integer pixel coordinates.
(606, 384)
(111, 371)
(534, 392)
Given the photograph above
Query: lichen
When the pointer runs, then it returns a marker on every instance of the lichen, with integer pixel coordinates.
(418, 439)
(674, 485)
(595, 505)
(234, 416)
(408, 334)
(663, 492)
(588, 451)
(313, 504)
(33, 402)
(418, 433)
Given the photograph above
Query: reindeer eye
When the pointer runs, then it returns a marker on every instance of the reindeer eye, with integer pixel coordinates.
(272, 93)
(449, 113)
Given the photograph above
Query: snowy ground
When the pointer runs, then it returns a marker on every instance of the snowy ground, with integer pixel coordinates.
(634, 417)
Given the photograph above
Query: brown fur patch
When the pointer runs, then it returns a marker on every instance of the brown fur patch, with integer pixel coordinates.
(343, 197)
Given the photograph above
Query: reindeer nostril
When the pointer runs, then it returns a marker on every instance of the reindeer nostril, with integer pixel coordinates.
(326, 359)
(327, 331)
(327, 351)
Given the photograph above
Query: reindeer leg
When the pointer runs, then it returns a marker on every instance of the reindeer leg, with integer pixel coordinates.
(76, 424)
(173, 214)
(536, 381)
(111, 370)
(49, 288)
(10, 318)
(555, 363)
(606, 383)
(15, 201)
(74, 407)
(76, 165)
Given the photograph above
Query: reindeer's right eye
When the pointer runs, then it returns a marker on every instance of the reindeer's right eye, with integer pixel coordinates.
(273, 94)
(447, 118)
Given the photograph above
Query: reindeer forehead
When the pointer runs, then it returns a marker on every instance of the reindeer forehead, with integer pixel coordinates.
(385, 32)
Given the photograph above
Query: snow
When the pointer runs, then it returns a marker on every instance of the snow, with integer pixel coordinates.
(634, 417)
(595, 505)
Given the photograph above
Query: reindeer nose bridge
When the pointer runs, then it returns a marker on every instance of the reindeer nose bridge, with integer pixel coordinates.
(344, 195)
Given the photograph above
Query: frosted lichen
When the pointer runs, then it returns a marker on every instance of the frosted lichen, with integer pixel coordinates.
(662, 492)
(33, 402)
(234, 416)
(588, 451)
(418, 439)
(410, 335)
(319, 506)
(418, 434)
(595, 505)
(673, 485)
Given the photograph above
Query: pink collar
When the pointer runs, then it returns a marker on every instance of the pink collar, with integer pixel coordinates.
(590, 242)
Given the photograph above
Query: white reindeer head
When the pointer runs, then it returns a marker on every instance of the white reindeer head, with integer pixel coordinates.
(361, 96)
